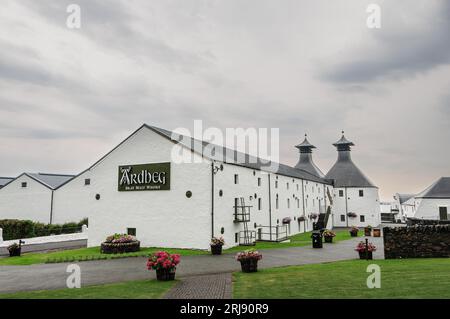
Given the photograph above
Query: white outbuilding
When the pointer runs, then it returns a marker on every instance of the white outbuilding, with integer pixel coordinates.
(434, 201)
(30, 196)
(356, 200)
(142, 187)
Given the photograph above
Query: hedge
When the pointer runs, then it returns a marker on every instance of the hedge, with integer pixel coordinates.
(20, 229)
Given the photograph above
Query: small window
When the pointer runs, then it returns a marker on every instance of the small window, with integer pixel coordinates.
(362, 218)
(236, 237)
(341, 193)
(287, 185)
(188, 194)
(259, 203)
(131, 231)
(288, 203)
(24, 184)
(259, 181)
(276, 184)
(276, 202)
(342, 218)
(87, 181)
(361, 193)
(236, 178)
(297, 186)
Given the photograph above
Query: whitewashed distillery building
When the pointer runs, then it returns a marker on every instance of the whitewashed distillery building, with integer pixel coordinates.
(356, 199)
(138, 188)
(432, 203)
(186, 204)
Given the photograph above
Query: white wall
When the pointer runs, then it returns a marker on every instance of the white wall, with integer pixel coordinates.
(73, 201)
(30, 203)
(247, 187)
(428, 208)
(161, 218)
(368, 205)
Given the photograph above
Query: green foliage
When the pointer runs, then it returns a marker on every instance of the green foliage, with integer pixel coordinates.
(20, 229)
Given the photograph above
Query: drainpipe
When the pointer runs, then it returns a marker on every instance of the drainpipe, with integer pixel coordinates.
(270, 208)
(346, 205)
(212, 199)
(51, 208)
(304, 213)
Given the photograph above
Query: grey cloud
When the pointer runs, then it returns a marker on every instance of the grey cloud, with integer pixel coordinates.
(398, 54)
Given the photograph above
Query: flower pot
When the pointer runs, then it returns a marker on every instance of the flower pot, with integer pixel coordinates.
(367, 231)
(328, 239)
(216, 249)
(15, 252)
(354, 234)
(362, 255)
(165, 274)
(376, 232)
(249, 265)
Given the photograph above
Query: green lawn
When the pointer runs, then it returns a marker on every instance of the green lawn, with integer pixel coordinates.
(143, 289)
(93, 253)
(400, 278)
(82, 254)
(299, 240)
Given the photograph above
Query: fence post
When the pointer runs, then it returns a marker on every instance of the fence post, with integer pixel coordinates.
(1, 235)
(84, 229)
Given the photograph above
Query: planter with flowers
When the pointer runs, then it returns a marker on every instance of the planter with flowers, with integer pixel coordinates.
(313, 216)
(119, 244)
(365, 250)
(15, 249)
(249, 260)
(352, 215)
(216, 245)
(354, 231)
(301, 218)
(164, 264)
(328, 235)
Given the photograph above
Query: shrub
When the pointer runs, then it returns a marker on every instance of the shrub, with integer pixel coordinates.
(84, 221)
(17, 229)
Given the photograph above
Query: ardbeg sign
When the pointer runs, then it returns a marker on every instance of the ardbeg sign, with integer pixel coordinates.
(145, 177)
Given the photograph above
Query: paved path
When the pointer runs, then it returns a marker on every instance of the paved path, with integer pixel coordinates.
(53, 276)
(216, 286)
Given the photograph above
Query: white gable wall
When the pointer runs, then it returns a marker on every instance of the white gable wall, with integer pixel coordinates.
(73, 201)
(428, 208)
(368, 206)
(27, 203)
(161, 218)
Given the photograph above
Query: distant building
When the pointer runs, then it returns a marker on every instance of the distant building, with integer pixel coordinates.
(434, 201)
(356, 200)
(30, 196)
(405, 206)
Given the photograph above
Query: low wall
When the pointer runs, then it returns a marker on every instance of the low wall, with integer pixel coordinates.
(417, 241)
(420, 221)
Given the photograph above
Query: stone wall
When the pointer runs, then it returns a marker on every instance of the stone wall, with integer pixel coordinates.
(420, 221)
(417, 241)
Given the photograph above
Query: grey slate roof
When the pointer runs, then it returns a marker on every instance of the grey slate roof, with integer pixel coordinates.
(344, 172)
(439, 189)
(53, 181)
(305, 161)
(404, 197)
(5, 180)
(230, 156)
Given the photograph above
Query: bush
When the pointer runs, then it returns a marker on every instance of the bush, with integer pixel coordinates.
(84, 221)
(19, 229)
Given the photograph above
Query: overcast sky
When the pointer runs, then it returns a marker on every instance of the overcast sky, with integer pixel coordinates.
(67, 96)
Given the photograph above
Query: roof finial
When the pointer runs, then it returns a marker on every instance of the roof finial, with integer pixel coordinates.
(306, 135)
(342, 132)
